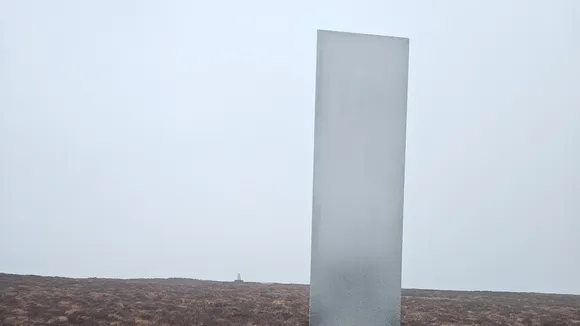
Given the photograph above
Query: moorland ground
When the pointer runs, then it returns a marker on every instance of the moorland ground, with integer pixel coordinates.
(37, 300)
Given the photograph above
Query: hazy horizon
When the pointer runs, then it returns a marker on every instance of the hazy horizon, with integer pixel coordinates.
(175, 139)
(259, 282)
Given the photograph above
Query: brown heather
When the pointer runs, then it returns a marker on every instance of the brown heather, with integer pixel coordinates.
(35, 300)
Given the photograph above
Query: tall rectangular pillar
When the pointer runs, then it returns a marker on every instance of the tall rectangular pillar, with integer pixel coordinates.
(359, 167)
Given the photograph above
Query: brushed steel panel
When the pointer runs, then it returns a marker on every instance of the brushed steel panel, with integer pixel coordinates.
(359, 166)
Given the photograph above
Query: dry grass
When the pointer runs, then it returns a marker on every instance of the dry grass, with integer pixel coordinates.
(34, 300)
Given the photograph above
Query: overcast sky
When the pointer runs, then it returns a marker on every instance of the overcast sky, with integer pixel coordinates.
(175, 138)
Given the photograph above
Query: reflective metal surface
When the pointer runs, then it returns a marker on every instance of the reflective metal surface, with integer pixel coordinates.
(359, 159)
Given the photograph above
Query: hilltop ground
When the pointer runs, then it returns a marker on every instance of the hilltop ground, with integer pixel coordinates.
(35, 300)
